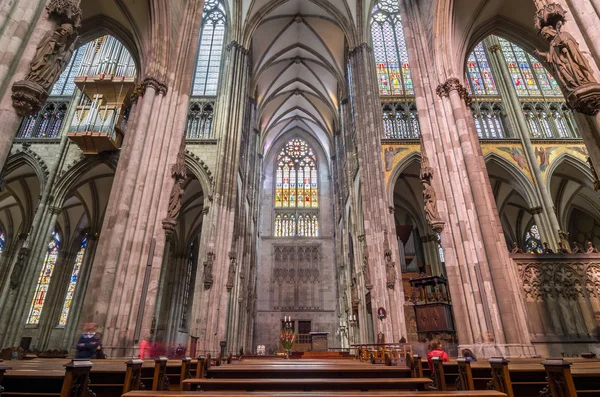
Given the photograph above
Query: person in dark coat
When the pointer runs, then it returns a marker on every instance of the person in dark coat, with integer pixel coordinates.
(87, 345)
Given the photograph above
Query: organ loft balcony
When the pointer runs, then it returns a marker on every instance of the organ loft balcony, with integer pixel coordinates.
(100, 118)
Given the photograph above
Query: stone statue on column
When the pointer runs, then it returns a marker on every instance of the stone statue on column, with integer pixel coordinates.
(179, 174)
(231, 272)
(429, 196)
(571, 68)
(52, 56)
(208, 268)
(15, 277)
(390, 267)
(366, 271)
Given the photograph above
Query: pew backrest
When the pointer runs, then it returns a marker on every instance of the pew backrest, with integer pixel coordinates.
(133, 375)
(439, 379)
(160, 379)
(560, 379)
(465, 375)
(500, 376)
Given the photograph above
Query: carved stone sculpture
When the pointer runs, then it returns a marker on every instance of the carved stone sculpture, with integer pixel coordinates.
(208, 268)
(429, 196)
(15, 277)
(571, 68)
(590, 249)
(231, 272)
(390, 266)
(577, 248)
(366, 271)
(178, 171)
(516, 249)
(51, 58)
(547, 250)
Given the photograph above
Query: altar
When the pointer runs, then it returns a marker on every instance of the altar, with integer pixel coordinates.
(318, 341)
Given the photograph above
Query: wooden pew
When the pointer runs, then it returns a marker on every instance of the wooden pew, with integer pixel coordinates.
(320, 384)
(476, 393)
(133, 375)
(186, 364)
(3, 369)
(416, 365)
(75, 377)
(299, 371)
(465, 375)
(438, 377)
(160, 380)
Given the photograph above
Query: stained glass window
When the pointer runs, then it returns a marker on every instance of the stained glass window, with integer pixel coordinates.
(296, 183)
(479, 73)
(389, 48)
(533, 240)
(296, 188)
(64, 315)
(529, 76)
(2, 240)
(212, 38)
(41, 289)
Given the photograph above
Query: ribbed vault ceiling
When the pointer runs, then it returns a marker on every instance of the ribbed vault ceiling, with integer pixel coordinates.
(298, 54)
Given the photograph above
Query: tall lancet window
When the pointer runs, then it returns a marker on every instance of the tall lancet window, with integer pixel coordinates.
(393, 72)
(212, 38)
(43, 283)
(296, 191)
(487, 107)
(64, 314)
(389, 48)
(2, 239)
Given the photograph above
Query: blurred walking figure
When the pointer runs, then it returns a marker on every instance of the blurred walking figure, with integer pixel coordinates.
(88, 344)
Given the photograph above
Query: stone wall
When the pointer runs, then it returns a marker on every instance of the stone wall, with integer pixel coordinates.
(561, 295)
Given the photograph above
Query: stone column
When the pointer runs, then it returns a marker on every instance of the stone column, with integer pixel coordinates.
(209, 310)
(503, 323)
(17, 19)
(377, 219)
(549, 225)
(51, 43)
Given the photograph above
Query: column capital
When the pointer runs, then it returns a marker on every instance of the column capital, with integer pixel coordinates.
(55, 210)
(152, 81)
(494, 48)
(428, 238)
(360, 47)
(454, 84)
(234, 45)
(536, 210)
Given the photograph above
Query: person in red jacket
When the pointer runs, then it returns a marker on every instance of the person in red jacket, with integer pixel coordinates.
(435, 350)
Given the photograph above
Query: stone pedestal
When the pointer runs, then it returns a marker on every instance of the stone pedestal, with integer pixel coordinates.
(318, 341)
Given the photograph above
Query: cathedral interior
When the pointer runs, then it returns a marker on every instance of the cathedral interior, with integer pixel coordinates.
(210, 172)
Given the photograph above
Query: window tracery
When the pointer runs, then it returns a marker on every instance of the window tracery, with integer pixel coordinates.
(64, 315)
(41, 290)
(296, 189)
(542, 101)
(210, 51)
